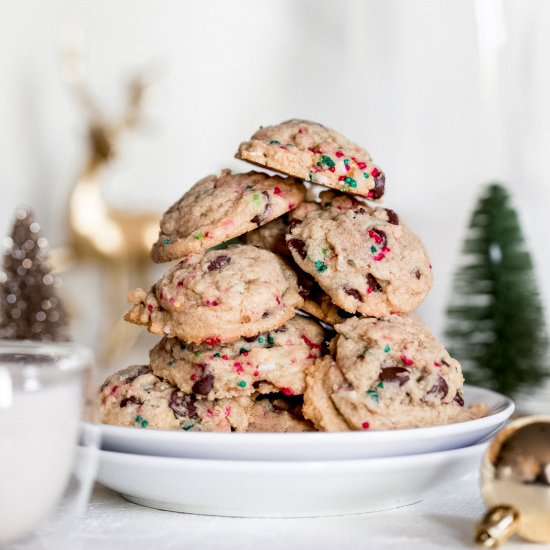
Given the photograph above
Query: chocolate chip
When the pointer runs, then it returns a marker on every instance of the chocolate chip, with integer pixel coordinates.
(443, 362)
(395, 374)
(218, 263)
(417, 274)
(182, 404)
(293, 223)
(355, 293)
(299, 246)
(265, 314)
(392, 216)
(256, 385)
(250, 338)
(257, 220)
(204, 384)
(440, 389)
(360, 211)
(374, 285)
(139, 372)
(458, 398)
(132, 399)
(382, 239)
(379, 185)
(303, 292)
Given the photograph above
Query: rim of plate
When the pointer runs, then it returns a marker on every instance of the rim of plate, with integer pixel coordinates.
(290, 465)
(505, 409)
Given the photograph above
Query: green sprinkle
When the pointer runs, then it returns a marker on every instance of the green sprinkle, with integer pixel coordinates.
(242, 384)
(187, 427)
(346, 161)
(171, 362)
(380, 386)
(270, 340)
(366, 175)
(274, 142)
(319, 164)
(261, 127)
(374, 395)
(351, 182)
(198, 354)
(217, 355)
(199, 235)
(243, 350)
(166, 241)
(138, 419)
(256, 197)
(373, 249)
(324, 251)
(144, 424)
(386, 349)
(327, 160)
(312, 177)
(320, 266)
(260, 340)
(250, 187)
(289, 145)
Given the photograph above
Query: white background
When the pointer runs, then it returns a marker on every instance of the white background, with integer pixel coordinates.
(442, 104)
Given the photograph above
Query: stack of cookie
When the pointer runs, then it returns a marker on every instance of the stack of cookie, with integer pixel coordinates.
(238, 353)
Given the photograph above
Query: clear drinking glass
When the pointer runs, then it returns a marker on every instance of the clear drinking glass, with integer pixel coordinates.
(46, 390)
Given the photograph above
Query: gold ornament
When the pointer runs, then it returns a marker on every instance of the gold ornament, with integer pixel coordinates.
(515, 483)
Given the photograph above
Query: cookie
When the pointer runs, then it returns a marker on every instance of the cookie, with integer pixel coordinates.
(135, 397)
(388, 373)
(272, 236)
(312, 152)
(219, 208)
(278, 414)
(271, 362)
(364, 258)
(219, 296)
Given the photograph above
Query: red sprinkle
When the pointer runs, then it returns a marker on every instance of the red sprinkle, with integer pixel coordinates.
(436, 364)
(348, 167)
(278, 301)
(209, 412)
(114, 389)
(407, 361)
(341, 178)
(365, 425)
(375, 172)
(180, 283)
(361, 165)
(277, 190)
(228, 410)
(225, 358)
(311, 356)
(238, 367)
(339, 154)
(207, 234)
(256, 373)
(379, 257)
(287, 391)
(370, 194)
(331, 169)
(212, 341)
(374, 235)
(291, 206)
(193, 377)
(311, 344)
(212, 303)
(150, 308)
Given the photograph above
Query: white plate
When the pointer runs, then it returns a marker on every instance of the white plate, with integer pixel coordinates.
(284, 489)
(313, 445)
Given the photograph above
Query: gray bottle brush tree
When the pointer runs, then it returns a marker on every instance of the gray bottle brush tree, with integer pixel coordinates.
(496, 325)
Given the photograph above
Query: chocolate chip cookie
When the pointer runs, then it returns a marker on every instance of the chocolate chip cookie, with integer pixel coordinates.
(387, 373)
(219, 296)
(312, 152)
(219, 208)
(271, 362)
(364, 258)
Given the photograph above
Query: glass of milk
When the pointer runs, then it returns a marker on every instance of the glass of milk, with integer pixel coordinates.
(44, 389)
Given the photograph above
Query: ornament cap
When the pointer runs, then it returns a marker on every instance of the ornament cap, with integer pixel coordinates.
(497, 526)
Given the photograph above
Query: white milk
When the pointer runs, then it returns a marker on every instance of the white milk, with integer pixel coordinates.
(38, 436)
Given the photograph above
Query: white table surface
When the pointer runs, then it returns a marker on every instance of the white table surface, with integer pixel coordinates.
(443, 521)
